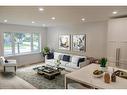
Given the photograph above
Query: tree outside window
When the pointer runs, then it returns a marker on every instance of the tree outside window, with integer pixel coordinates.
(20, 43)
(7, 43)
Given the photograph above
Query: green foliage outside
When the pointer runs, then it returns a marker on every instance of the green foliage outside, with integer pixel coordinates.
(21, 39)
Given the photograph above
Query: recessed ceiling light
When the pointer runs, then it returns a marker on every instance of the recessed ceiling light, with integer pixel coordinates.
(114, 12)
(53, 18)
(43, 25)
(83, 19)
(33, 22)
(5, 20)
(41, 9)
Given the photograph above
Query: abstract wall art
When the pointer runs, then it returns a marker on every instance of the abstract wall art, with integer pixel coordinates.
(64, 42)
(79, 43)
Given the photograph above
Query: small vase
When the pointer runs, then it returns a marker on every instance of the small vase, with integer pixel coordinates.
(107, 77)
(104, 69)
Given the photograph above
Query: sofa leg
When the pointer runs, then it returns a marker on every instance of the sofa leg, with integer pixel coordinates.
(15, 68)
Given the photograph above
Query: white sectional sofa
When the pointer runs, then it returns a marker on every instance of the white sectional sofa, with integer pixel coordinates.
(68, 61)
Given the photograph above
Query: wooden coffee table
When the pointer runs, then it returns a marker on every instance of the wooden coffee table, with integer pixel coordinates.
(47, 71)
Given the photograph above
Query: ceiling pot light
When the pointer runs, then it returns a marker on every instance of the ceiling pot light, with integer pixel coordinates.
(33, 22)
(5, 20)
(83, 19)
(53, 18)
(41, 9)
(114, 12)
(43, 25)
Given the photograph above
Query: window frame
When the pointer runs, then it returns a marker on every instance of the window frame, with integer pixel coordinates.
(25, 53)
(10, 45)
(39, 45)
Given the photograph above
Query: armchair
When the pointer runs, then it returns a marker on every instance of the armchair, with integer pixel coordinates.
(9, 66)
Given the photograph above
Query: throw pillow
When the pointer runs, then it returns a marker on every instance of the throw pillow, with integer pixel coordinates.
(56, 56)
(60, 57)
(66, 58)
(80, 60)
(75, 59)
(50, 56)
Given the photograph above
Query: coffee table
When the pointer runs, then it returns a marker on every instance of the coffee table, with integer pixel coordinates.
(49, 72)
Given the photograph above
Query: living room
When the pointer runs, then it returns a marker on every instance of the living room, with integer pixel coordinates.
(26, 31)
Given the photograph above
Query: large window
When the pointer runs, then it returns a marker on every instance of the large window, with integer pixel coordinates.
(19, 43)
(7, 44)
(36, 44)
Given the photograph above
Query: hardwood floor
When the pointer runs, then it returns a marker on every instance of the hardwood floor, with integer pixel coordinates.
(14, 83)
(10, 81)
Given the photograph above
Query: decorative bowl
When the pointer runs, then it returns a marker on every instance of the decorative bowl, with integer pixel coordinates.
(98, 73)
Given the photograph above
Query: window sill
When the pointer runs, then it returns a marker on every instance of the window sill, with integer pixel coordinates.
(22, 54)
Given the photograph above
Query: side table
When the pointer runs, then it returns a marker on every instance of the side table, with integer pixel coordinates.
(10, 66)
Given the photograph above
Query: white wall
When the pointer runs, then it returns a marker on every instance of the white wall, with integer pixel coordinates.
(23, 59)
(96, 36)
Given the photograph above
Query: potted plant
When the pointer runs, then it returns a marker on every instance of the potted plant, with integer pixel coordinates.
(45, 51)
(103, 62)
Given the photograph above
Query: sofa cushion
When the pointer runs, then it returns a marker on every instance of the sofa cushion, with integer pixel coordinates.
(50, 56)
(72, 65)
(66, 58)
(50, 60)
(63, 63)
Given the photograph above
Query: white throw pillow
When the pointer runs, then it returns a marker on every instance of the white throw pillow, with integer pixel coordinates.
(75, 59)
(57, 56)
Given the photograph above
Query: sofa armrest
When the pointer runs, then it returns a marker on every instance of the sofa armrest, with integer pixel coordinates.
(82, 64)
(45, 58)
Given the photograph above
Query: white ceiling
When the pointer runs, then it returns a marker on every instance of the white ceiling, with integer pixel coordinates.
(64, 15)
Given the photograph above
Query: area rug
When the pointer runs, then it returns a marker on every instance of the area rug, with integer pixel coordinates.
(39, 81)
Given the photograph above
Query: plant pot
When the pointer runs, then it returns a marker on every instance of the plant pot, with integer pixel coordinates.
(104, 69)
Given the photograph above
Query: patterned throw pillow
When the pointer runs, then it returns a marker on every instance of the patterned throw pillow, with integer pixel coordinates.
(66, 58)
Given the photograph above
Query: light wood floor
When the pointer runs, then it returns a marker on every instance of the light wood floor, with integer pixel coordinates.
(14, 82)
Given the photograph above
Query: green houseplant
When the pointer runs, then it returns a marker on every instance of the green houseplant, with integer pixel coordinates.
(45, 51)
(103, 62)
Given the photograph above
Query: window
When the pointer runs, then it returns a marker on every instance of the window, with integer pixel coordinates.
(36, 42)
(19, 43)
(22, 42)
(7, 43)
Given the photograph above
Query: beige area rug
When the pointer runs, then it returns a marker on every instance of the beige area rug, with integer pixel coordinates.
(38, 81)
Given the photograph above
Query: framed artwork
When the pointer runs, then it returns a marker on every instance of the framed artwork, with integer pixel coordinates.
(79, 43)
(64, 42)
